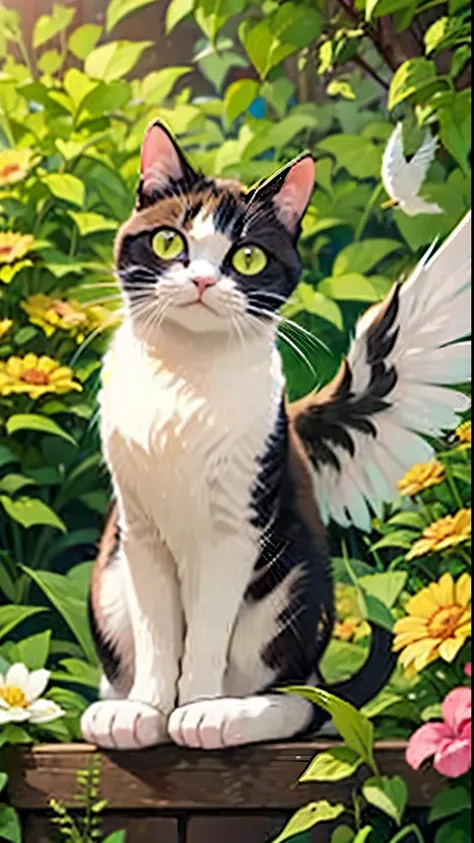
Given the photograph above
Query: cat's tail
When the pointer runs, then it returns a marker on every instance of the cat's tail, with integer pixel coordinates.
(374, 673)
(361, 433)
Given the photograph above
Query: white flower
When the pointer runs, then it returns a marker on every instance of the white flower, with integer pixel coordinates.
(403, 179)
(19, 696)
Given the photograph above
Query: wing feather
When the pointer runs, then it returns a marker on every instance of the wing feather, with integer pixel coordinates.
(365, 429)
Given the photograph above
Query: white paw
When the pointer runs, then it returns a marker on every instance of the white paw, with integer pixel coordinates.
(232, 721)
(123, 724)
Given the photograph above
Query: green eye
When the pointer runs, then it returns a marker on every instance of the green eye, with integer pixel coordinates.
(249, 260)
(168, 244)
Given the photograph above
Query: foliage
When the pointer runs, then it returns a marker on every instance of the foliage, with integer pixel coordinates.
(268, 79)
(84, 826)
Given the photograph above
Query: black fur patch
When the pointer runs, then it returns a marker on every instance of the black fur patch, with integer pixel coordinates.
(326, 426)
(287, 544)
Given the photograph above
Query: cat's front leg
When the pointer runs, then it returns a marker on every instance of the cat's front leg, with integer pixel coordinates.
(156, 621)
(213, 587)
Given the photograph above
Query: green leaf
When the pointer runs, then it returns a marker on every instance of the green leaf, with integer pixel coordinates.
(42, 424)
(451, 800)
(356, 154)
(211, 16)
(34, 650)
(435, 34)
(157, 86)
(356, 730)
(389, 795)
(411, 77)
(400, 538)
(12, 483)
(116, 837)
(363, 256)
(11, 616)
(10, 828)
(333, 765)
(339, 88)
(342, 659)
(177, 10)
(342, 834)
(78, 672)
(363, 835)
(380, 703)
(350, 287)
(89, 223)
(114, 60)
(50, 62)
(83, 40)
(65, 186)
(432, 712)
(308, 816)
(239, 96)
(378, 8)
(408, 519)
(6, 456)
(118, 9)
(32, 512)
(47, 26)
(455, 128)
(13, 734)
(376, 612)
(59, 590)
(385, 586)
(3, 780)
(458, 830)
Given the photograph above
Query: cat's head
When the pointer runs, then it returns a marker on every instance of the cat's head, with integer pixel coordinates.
(208, 254)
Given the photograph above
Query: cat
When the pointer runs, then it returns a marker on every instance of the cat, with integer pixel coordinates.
(212, 589)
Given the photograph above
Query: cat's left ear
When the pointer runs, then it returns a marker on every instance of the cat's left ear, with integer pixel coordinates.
(289, 190)
(162, 165)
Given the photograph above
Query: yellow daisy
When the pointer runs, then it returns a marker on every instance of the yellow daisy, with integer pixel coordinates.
(447, 532)
(463, 433)
(52, 314)
(5, 325)
(13, 246)
(438, 623)
(35, 376)
(14, 165)
(421, 476)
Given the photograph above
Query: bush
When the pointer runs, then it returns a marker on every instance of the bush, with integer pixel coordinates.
(268, 79)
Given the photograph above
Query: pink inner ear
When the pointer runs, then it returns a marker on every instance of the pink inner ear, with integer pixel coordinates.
(159, 160)
(292, 200)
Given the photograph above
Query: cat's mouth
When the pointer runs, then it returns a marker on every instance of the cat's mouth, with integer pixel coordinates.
(198, 303)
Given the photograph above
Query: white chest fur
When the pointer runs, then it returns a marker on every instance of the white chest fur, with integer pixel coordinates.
(183, 427)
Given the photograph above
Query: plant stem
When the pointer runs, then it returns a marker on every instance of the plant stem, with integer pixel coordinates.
(24, 53)
(453, 487)
(409, 829)
(368, 210)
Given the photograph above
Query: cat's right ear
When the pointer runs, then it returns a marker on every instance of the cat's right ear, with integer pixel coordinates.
(163, 165)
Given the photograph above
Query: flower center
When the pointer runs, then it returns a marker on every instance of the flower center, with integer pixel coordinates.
(444, 622)
(8, 169)
(5, 250)
(35, 377)
(13, 696)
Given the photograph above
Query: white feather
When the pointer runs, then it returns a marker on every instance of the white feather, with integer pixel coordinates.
(432, 312)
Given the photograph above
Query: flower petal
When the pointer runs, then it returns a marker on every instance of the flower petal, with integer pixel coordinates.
(463, 590)
(425, 742)
(453, 759)
(449, 649)
(456, 708)
(37, 681)
(42, 711)
(446, 586)
(4, 716)
(17, 675)
(422, 604)
(468, 669)
(17, 714)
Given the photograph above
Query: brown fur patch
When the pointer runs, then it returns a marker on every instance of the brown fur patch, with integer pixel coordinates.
(107, 547)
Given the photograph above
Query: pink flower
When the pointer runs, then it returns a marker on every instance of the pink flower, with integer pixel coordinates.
(449, 742)
(467, 669)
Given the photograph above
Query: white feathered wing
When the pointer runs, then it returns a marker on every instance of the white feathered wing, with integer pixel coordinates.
(362, 432)
(403, 179)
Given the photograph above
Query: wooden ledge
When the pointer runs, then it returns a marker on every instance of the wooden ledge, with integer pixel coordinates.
(167, 778)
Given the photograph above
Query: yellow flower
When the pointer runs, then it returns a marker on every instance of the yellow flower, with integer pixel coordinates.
(75, 318)
(351, 629)
(14, 165)
(421, 476)
(447, 532)
(13, 246)
(35, 376)
(463, 433)
(5, 325)
(437, 624)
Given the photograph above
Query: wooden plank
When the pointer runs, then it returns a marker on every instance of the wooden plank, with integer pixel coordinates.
(168, 777)
(139, 829)
(239, 829)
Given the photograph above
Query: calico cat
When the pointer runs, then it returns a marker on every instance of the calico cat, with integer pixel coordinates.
(212, 589)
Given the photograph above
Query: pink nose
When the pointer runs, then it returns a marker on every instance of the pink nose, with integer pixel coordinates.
(203, 281)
